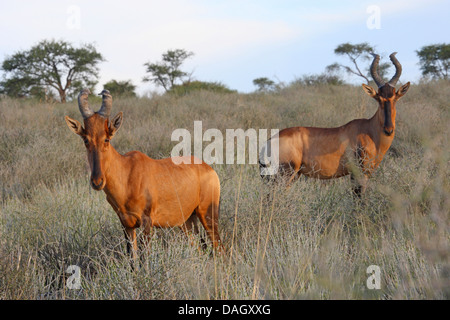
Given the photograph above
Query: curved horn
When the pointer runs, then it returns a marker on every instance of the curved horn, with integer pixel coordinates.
(374, 72)
(398, 69)
(83, 103)
(106, 107)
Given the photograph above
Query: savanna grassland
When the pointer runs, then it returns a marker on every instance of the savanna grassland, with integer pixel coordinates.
(314, 241)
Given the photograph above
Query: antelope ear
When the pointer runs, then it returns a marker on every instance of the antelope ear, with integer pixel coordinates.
(369, 90)
(402, 90)
(74, 126)
(115, 124)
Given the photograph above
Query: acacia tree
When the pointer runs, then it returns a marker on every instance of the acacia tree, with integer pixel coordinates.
(167, 72)
(264, 84)
(50, 64)
(435, 60)
(356, 52)
(121, 88)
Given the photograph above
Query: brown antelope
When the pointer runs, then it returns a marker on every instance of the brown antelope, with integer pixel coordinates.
(143, 191)
(328, 153)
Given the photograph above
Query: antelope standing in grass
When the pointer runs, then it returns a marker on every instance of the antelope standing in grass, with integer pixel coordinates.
(355, 148)
(143, 191)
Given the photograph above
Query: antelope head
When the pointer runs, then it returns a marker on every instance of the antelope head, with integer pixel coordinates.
(386, 96)
(96, 134)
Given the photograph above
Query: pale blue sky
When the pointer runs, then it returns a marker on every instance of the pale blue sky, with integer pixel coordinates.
(234, 41)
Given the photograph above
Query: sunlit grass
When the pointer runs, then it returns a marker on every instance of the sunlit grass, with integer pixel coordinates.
(313, 241)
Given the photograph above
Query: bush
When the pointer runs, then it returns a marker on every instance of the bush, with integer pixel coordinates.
(315, 79)
(188, 87)
(121, 88)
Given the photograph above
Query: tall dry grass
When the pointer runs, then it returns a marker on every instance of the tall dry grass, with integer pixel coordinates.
(313, 241)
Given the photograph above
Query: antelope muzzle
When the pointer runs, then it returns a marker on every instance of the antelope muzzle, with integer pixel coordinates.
(98, 180)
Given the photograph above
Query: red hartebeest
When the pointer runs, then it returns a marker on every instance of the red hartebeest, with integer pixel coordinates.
(143, 191)
(327, 153)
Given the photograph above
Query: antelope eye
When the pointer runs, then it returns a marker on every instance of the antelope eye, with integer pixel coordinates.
(106, 140)
(86, 141)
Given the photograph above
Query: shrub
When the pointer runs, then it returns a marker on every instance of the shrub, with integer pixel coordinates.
(190, 86)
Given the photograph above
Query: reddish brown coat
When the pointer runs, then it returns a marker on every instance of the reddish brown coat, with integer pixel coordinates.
(328, 153)
(147, 192)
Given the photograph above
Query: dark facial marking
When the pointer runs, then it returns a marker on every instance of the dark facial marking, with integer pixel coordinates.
(387, 115)
(95, 130)
(387, 92)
